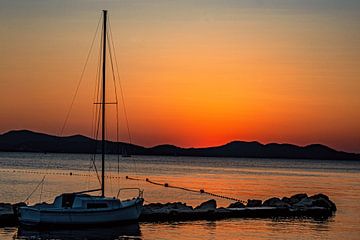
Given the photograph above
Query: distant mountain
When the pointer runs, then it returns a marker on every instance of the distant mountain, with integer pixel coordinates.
(28, 141)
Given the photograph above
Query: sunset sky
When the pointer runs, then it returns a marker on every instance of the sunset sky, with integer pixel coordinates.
(194, 73)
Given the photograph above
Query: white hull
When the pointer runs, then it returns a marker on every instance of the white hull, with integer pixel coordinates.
(128, 211)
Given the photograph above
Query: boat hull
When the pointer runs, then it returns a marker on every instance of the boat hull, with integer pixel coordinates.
(29, 216)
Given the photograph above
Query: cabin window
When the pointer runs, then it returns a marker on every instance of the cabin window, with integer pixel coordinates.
(67, 200)
(97, 205)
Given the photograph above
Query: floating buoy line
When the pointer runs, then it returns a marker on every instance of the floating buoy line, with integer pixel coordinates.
(201, 191)
(164, 184)
(48, 173)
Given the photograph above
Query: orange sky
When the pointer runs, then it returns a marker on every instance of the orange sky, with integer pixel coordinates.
(194, 74)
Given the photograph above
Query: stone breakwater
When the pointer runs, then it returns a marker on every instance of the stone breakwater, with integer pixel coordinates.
(8, 213)
(318, 206)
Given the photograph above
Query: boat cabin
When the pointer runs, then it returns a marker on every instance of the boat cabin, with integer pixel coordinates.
(84, 201)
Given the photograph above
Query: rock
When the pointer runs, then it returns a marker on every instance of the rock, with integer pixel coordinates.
(236, 205)
(153, 208)
(253, 203)
(304, 203)
(271, 201)
(179, 206)
(297, 198)
(287, 200)
(275, 202)
(320, 195)
(222, 210)
(321, 200)
(6, 208)
(317, 200)
(208, 205)
(7, 214)
(5, 205)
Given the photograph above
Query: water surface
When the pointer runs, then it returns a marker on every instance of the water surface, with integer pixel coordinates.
(240, 178)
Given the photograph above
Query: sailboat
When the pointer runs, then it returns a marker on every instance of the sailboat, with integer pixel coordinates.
(80, 208)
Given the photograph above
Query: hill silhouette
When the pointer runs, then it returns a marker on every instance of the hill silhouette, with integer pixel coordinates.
(29, 141)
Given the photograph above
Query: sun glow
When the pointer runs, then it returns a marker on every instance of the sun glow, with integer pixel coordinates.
(196, 77)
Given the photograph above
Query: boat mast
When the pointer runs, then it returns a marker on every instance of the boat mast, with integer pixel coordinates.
(103, 108)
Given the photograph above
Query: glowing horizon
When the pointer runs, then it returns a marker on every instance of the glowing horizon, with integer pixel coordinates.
(194, 74)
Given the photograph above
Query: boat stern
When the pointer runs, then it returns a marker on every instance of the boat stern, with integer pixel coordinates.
(29, 216)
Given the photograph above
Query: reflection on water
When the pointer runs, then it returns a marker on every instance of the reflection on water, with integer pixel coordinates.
(130, 231)
(253, 229)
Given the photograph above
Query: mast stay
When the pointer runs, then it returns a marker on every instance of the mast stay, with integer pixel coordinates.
(103, 108)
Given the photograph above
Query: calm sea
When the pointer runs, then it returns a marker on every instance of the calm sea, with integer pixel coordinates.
(20, 173)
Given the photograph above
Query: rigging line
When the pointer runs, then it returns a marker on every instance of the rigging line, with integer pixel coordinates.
(122, 94)
(108, 175)
(80, 80)
(117, 106)
(42, 180)
(41, 191)
(96, 115)
(94, 112)
(120, 85)
(95, 150)
(74, 96)
(97, 98)
(96, 141)
(96, 91)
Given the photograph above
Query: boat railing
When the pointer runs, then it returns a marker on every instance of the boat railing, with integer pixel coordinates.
(140, 194)
(88, 191)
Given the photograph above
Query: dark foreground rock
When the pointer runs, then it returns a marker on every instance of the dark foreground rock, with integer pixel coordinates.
(167, 208)
(207, 206)
(300, 205)
(301, 201)
(253, 203)
(7, 214)
(275, 202)
(236, 205)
